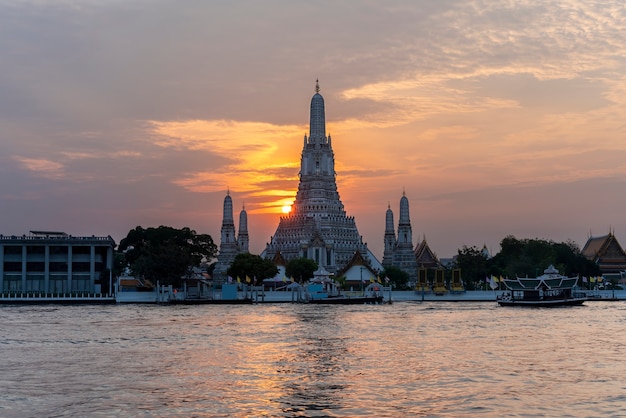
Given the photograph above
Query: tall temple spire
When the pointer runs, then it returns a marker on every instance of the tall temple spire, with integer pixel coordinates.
(405, 233)
(317, 226)
(317, 126)
(229, 248)
(390, 238)
(227, 218)
(243, 239)
(403, 254)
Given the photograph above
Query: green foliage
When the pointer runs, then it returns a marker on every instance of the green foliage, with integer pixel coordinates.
(119, 263)
(252, 266)
(166, 254)
(529, 257)
(341, 282)
(473, 265)
(106, 281)
(300, 269)
(398, 278)
(526, 257)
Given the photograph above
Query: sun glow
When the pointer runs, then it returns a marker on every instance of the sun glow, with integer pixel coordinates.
(286, 208)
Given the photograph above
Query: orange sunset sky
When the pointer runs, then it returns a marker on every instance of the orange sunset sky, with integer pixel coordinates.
(495, 117)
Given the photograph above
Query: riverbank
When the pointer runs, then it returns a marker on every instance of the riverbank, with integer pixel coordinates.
(468, 296)
(282, 297)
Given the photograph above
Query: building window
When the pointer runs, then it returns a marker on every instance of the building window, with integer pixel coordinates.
(56, 266)
(12, 250)
(12, 266)
(58, 250)
(35, 266)
(36, 249)
(80, 267)
(81, 250)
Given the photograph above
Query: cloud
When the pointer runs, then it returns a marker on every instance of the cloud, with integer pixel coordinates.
(40, 167)
(256, 154)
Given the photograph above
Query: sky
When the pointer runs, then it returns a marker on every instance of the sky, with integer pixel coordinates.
(494, 117)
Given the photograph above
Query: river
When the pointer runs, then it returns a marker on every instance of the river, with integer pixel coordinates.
(295, 360)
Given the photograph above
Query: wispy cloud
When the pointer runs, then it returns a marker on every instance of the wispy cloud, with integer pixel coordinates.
(41, 167)
(257, 154)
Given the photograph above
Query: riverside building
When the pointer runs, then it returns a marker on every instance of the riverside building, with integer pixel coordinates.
(54, 262)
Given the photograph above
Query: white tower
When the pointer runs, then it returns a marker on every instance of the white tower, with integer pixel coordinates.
(317, 226)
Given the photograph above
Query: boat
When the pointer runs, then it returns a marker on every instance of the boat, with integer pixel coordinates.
(347, 300)
(327, 293)
(211, 301)
(548, 290)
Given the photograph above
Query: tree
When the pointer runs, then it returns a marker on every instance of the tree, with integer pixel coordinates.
(300, 269)
(166, 254)
(252, 266)
(529, 257)
(398, 278)
(473, 265)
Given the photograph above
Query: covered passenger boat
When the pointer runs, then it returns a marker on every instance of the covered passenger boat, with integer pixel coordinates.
(549, 289)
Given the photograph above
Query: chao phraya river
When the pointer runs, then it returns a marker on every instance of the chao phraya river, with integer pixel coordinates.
(289, 360)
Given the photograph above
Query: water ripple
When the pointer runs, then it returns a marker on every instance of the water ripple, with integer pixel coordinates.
(405, 359)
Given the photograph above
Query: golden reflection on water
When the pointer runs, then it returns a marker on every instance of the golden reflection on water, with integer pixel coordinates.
(405, 359)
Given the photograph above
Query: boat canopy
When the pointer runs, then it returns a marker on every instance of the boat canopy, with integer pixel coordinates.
(550, 280)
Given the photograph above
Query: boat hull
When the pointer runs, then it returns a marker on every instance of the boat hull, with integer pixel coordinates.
(347, 300)
(246, 301)
(543, 303)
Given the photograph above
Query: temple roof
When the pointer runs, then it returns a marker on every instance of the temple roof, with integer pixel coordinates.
(357, 260)
(278, 259)
(425, 256)
(606, 252)
(598, 246)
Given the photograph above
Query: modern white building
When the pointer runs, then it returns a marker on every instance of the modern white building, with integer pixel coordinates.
(54, 262)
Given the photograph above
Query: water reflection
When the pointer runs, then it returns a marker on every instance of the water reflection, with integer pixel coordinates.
(298, 360)
(314, 368)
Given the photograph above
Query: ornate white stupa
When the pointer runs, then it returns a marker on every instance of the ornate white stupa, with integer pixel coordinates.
(318, 227)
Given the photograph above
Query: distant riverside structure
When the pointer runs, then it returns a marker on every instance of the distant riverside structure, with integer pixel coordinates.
(606, 252)
(318, 227)
(230, 244)
(399, 251)
(54, 262)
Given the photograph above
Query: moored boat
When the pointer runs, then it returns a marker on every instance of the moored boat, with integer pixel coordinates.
(327, 293)
(211, 301)
(549, 289)
(347, 300)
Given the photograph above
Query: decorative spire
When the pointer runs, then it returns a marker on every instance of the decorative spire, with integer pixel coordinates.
(317, 85)
(317, 124)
